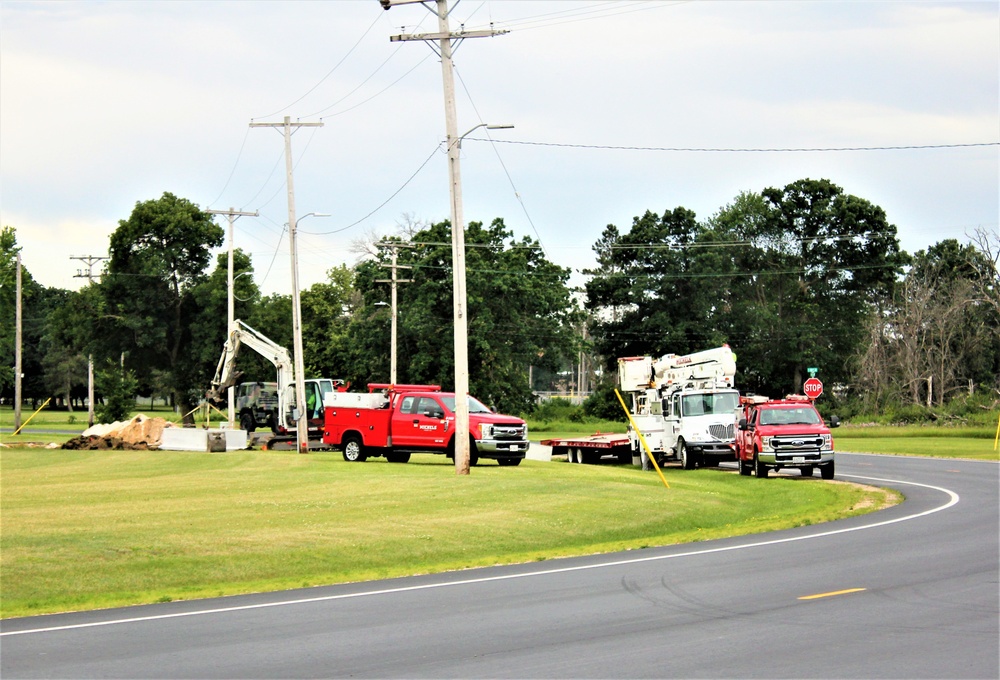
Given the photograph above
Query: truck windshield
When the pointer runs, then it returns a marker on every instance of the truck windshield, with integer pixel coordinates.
(475, 406)
(711, 403)
(789, 416)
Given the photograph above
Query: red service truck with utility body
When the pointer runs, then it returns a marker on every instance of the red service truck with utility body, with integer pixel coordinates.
(780, 433)
(397, 420)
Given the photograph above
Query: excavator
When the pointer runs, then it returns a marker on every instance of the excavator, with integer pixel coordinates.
(265, 403)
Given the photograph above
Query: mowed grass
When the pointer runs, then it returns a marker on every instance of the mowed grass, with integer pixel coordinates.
(91, 529)
(942, 442)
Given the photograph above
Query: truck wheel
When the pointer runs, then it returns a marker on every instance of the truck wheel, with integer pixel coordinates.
(687, 460)
(744, 467)
(473, 454)
(354, 450)
(759, 468)
(272, 421)
(398, 457)
(807, 470)
(826, 471)
(247, 422)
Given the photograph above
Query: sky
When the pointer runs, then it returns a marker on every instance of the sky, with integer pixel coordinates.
(617, 107)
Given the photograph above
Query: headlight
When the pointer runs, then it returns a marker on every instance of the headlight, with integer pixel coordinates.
(485, 430)
(828, 441)
(765, 443)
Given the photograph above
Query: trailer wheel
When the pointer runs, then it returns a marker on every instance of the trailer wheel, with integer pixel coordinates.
(247, 422)
(570, 456)
(759, 468)
(826, 471)
(354, 450)
(687, 460)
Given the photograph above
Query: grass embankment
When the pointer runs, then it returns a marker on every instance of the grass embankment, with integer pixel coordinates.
(91, 529)
(919, 440)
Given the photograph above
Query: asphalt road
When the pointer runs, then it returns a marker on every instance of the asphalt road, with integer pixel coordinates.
(909, 592)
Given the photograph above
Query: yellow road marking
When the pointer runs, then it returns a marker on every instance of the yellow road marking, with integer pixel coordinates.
(836, 592)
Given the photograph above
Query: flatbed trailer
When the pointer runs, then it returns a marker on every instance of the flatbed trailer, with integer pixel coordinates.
(593, 448)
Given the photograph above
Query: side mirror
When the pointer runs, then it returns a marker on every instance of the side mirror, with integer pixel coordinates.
(743, 425)
(834, 421)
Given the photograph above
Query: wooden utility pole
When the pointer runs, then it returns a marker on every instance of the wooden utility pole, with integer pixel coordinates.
(441, 42)
(17, 349)
(392, 343)
(232, 214)
(90, 261)
(302, 422)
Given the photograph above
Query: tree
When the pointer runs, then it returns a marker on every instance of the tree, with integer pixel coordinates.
(940, 332)
(520, 314)
(158, 258)
(654, 291)
(811, 264)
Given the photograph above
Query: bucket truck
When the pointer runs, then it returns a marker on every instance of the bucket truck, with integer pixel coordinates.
(684, 406)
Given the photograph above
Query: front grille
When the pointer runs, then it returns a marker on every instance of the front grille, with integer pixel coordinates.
(722, 431)
(801, 443)
(508, 432)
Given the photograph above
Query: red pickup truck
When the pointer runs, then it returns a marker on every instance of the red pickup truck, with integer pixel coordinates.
(779, 433)
(397, 420)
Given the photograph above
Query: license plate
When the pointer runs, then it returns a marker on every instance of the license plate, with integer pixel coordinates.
(798, 460)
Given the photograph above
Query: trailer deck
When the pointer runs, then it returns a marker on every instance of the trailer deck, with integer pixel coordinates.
(592, 448)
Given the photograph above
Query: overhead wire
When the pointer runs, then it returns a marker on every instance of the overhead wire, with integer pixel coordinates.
(330, 72)
(606, 147)
(503, 165)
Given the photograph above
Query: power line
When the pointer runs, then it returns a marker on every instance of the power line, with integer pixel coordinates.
(608, 147)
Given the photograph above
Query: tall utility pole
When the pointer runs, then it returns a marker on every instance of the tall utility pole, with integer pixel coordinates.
(90, 261)
(392, 343)
(17, 347)
(443, 38)
(232, 214)
(302, 418)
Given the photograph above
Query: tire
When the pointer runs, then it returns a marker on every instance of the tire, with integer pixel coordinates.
(473, 454)
(247, 422)
(807, 470)
(354, 450)
(625, 458)
(759, 468)
(581, 457)
(398, 457)
(272, 421)
(826, 471)
(744, 467)
(570, 455)
(685, 457)
(509, 462)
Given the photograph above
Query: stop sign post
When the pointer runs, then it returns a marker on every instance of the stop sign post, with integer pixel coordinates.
(812, 388)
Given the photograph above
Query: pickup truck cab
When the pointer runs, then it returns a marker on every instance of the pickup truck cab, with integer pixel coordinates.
(780, 433)
(397, 420)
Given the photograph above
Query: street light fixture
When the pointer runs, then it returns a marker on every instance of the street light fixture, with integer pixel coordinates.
(301, 417)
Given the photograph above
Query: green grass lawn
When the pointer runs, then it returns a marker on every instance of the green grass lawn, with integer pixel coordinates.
(91, 529)
(915, 440)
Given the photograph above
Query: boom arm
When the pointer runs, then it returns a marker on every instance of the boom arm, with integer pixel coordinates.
(226, 374)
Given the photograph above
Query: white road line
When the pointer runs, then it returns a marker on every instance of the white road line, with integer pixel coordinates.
(953, 500)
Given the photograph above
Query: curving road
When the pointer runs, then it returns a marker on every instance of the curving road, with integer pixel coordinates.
(910, 592)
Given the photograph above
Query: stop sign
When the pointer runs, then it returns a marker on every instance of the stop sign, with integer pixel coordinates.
(813, 388)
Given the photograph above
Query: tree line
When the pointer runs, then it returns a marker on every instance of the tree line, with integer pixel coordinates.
(791, 278)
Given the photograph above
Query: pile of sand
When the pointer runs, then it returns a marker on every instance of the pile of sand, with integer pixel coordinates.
(142, 432)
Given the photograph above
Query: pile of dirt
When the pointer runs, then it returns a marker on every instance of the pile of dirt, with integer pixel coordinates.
(140, 434)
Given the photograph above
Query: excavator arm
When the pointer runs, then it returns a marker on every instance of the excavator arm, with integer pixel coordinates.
(226, 374)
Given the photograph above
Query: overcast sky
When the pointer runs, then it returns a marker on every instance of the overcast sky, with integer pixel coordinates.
(104, 104)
